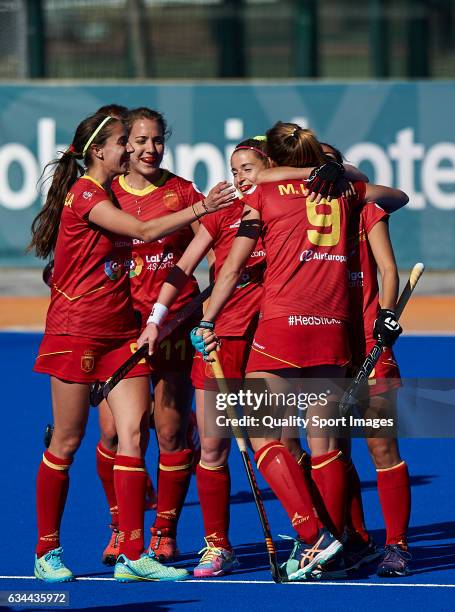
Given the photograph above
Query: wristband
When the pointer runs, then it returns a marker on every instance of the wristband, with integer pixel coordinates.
(158, 314)
(207, 325)
(195, 213)
(206, 208)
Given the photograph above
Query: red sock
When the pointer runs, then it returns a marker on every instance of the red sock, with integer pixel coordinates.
(395, 497)
(174, 475)
(214, 487)
(284, 476)
(130, 479)
(51, 491)
(105, 460)
(355, 519)
(329, 475)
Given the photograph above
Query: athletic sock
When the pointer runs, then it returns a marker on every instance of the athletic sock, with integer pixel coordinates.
(105, 460)
(395, 497)
(284, 476)
(130, 479)
(174, 475)
(355, 518)
(329, 475)
(51, 491)
(214, 487)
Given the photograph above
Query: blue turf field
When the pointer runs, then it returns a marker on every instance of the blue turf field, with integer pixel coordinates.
(26, 409)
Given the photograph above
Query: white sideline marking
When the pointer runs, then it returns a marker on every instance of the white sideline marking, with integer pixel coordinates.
(324, 583)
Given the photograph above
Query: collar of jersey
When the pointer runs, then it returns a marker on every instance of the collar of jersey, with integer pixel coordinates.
(89, 178)
(142, 192)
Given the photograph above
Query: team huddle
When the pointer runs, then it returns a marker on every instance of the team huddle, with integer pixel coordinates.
(295, 247)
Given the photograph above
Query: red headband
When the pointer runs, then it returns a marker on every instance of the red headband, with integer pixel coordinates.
(252, 149)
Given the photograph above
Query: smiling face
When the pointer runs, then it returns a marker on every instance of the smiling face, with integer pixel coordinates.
(116, 150)
(147, 139)
(245, 167)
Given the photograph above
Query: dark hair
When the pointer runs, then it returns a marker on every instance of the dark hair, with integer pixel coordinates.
(114, 110)
(258, 146)
(66, 171)
(147, 113)
(290, 145)
(333, 153)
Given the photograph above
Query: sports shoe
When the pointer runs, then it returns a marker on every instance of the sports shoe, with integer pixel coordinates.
(356, 553)
(305, 557)
(395, 561)
(112, 550)
(51, 568)
(163, 546)
(215, 561)
(146, 568)
(332, 570)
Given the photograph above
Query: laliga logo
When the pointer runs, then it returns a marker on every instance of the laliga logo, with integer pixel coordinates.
(113, 270)
(307, 255)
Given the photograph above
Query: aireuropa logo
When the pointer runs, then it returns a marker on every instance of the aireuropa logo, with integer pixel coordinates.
(310, 255)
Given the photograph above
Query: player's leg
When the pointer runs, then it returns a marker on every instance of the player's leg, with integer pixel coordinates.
(70, 404)
(130, 405)
(214, 487)
(314, 545)
(394, 492)
(105, 459)
(173, 397)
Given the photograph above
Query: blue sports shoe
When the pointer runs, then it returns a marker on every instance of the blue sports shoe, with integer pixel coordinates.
(51, 568)
(395, 562)
(306, 557)
(146, 568)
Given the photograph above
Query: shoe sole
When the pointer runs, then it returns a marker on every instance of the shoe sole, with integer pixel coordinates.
(133, 578)
(320, 559)
(222, 572)
(53, 580)
(393, 574)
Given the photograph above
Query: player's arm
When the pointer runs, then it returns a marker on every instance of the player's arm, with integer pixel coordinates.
(283, 173)
(106, 215)
(388, 198)
(386, 326)
(173, 285)
(203, 337)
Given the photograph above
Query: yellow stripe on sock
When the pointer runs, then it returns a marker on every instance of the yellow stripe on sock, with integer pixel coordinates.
(264, 453)
(55, 466)
(212, 468)
(125, 468)
(394, 467)
(324, 463)
(174, 468)
(104, 454)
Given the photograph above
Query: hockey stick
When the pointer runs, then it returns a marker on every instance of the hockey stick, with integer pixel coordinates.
(348, 399)
(241, 443)
(100, 391)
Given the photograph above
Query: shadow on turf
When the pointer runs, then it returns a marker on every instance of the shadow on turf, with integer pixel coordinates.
(156, 606)
(245, 497)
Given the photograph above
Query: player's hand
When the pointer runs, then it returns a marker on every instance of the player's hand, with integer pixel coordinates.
(386, 327)
(322, 181)
(220, 196)
(149, 336)
(204, 339)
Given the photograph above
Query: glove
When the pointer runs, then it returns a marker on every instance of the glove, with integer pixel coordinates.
(322, 180)
(197, 340)
(386, 327)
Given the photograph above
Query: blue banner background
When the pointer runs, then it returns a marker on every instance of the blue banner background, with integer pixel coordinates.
(400, 134)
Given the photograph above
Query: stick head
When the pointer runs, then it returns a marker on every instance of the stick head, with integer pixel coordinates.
(96, 393)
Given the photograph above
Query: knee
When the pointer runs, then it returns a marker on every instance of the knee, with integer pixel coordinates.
(170, 438)
(65, 444)
(109, 440)
(383, 453)
(213, 456)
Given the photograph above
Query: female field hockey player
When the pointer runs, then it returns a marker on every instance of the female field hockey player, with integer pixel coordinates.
(90, 330)
(235, 326)
(359, 548)
(277, 349)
